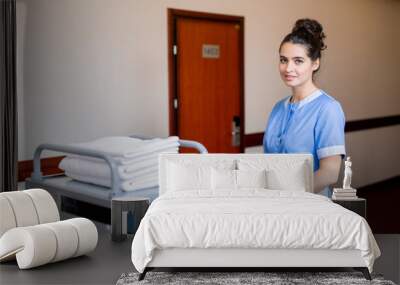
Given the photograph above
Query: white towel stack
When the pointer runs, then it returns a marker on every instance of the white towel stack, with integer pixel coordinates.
(137, 161)
(344, 194)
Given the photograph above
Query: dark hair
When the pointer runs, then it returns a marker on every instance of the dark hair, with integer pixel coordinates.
(308, 33)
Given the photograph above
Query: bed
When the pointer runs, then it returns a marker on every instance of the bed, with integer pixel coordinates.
(247, 211)
(60, 185)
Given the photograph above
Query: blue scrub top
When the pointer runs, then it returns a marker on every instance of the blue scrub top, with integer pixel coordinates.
(313, 125)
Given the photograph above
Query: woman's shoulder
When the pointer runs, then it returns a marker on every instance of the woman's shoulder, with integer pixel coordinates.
(328, 104)
(327, 101)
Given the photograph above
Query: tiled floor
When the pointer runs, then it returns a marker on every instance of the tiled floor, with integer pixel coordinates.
(110, 260)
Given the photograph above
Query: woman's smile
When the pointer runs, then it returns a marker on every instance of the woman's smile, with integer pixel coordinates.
(289, 77)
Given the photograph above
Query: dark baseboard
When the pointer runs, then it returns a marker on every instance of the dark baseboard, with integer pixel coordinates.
(256, 139)
(372, 123)
(49, 166)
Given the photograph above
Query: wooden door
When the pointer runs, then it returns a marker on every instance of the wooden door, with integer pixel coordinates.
(208, 100)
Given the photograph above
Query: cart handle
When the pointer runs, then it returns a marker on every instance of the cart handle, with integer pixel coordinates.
(193, 144)
(37, 174)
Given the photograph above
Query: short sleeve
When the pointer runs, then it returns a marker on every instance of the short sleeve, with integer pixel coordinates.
(329, 131)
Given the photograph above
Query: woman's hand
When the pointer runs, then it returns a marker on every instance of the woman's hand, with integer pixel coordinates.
(328, 172)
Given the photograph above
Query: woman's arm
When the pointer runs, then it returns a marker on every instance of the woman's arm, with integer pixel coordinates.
(328, 172)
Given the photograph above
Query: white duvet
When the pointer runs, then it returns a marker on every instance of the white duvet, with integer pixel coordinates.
(252, 218)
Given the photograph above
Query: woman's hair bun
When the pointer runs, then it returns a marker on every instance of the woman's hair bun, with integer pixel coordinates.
(311, 30)
(310, 34)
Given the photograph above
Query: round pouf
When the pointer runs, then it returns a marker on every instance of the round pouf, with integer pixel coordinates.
(40, 244)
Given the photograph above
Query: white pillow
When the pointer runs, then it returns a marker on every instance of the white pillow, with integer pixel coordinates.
(223, 179)
(184, 177)
(290, 179)
(251, 178)
(236, 179)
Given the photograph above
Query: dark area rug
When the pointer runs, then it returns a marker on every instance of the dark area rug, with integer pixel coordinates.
(273, 278)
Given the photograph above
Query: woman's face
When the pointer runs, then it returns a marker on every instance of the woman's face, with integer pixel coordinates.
(295, 66)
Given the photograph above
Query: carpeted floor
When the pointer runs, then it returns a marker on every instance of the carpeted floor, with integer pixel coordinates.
(269, 278)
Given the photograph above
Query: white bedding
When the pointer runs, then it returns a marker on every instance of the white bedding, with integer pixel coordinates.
(250, 218)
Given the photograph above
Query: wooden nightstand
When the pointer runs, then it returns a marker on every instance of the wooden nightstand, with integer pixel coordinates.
(358, 206)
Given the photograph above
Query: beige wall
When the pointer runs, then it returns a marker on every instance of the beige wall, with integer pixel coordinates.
(93, 68)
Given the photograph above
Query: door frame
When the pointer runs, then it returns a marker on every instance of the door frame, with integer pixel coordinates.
(173, 15)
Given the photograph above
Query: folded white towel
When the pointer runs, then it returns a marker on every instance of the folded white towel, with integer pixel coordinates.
(127, 147)
(137, 161)
(171, 148)
(134, 159)
(147, 181)
(134, 185)
(101, 169)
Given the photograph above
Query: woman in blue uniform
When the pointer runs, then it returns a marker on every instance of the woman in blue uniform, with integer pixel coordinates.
(308, 121)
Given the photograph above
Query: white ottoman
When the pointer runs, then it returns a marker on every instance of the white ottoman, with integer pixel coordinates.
(31, 232)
